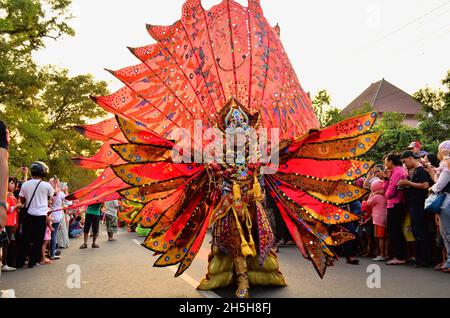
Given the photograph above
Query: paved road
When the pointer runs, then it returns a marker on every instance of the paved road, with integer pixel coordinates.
(125, 269)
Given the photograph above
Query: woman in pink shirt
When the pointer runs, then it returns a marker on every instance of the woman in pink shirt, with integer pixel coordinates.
(396, 208)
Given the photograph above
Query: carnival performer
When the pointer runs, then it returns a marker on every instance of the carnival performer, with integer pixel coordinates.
(218, 84)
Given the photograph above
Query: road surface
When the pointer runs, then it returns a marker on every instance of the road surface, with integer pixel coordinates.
(125, 269)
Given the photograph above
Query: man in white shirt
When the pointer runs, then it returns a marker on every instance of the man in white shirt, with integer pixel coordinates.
(37, 195)
(111, 209)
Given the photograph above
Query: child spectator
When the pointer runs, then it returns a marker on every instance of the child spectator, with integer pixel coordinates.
(48, 237)
(365, 230)
(377, 204)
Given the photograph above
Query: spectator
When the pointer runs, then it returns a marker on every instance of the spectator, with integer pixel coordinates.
(47, 240)
(365, 230)
(4, 144)
(376, 173)
(442, 185)
(9, 248)
(396, 208)
(422, 154)
(415, 147)
(92, 219)
(63, 233)
(431, 164)
(416, 191)
(431, 159)
(56, 216)
(378, 205)
(440, 245)
(409, 238)
(111, 207)
(38, 196)
(24, 178)
(350, 247)
(75, 228)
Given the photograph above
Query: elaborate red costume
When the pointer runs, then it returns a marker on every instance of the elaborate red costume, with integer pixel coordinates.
(226, 68)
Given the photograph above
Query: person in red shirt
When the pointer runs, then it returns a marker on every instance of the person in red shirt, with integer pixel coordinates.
(11, 226)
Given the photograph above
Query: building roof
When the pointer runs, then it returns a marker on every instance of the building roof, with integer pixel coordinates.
(385, 97)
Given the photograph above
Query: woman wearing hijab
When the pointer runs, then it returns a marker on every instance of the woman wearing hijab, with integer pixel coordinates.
(442, 185)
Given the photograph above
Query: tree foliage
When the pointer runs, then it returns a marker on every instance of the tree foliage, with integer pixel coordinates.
(45, 132)
(42, 104)
(24, 26)
(395, 137)
(326, 114)
(434, 120)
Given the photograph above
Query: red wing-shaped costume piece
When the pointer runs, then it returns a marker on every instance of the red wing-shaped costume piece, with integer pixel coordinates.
(197, 65)
(314, 180)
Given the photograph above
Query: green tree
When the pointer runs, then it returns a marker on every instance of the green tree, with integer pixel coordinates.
(326, 114)
(395, 136)
(66, 103)
(41, 105)
(365, 108)
(435, 116)
(45, 131)
(24, 27)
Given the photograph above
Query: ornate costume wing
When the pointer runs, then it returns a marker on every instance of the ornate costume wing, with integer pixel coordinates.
(197, 65)
(315, 178)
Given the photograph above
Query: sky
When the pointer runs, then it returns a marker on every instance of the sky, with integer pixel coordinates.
(341, 46)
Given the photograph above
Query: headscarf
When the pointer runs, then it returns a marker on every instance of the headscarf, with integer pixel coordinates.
(376, 185)
(445, 146)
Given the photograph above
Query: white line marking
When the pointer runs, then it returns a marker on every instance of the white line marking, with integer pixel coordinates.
(9, 293)
(188, 279)
(137, 242)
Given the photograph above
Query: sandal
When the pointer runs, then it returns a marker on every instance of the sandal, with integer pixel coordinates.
(439, 267)
(396, 262)
(352, 261)
(82, 247)
(445, 270)
(46, 261)
(95, 246)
